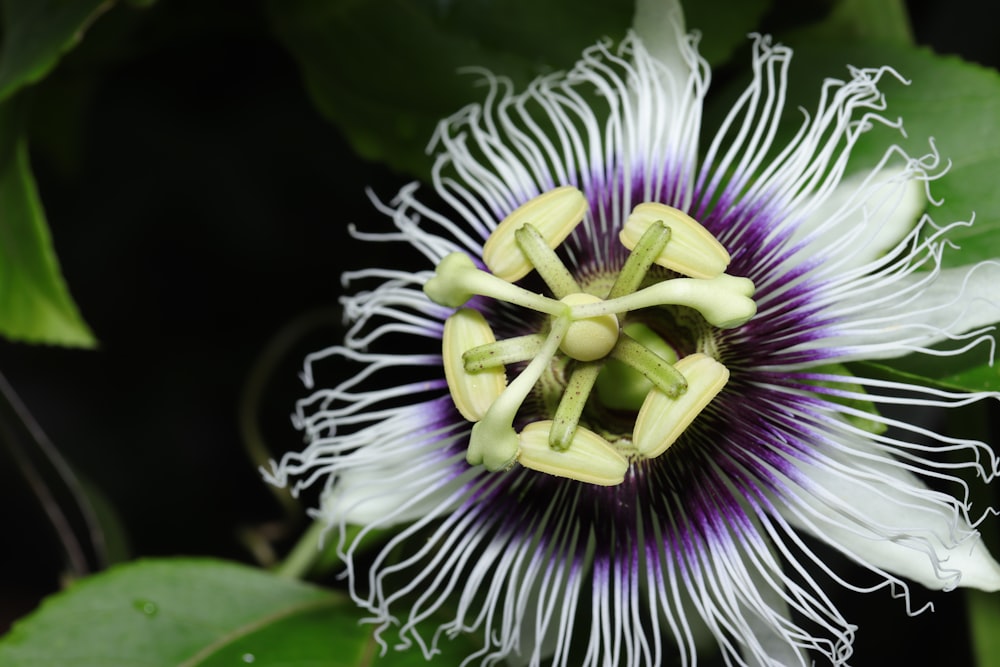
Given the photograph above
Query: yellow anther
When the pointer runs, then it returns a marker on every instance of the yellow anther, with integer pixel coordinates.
(590, 458)
(591, 338)
(661, 419)
(554, 214)
(692, 250)
(472, 393)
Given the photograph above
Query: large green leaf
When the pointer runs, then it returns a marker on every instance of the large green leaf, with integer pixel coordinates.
(36, 33)
(202, 613)
(957, 104)
(194, 612)
(35, 305)
(954, 103)
(386, 71)
(875, 21)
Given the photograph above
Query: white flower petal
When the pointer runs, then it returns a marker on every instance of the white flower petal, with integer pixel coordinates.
(764, 592)
(366, 497)
(961, 299)
(873, 509)
(912, 312)
(862, 219)
(659, 25)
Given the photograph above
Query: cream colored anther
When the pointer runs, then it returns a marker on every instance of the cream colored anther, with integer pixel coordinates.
(590, 458)
(554, 214)
(472, 393)
(661, 419)
(692, 250)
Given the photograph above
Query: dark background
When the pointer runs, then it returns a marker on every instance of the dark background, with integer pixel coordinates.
(198, 205)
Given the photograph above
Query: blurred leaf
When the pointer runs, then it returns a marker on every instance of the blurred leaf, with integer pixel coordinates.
(386, 71)
(724, 25)
(984, 613)
(36, 33)
(201, 613)
(882, 21)
(969, 371)
(35, 305)
(954, 103)
(187, 612)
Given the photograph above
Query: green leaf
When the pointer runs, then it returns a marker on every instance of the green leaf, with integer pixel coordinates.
(386, 71)
(35, 305)
(954, 103)
(195, 612)
(980, 377)
(881, 21)
(968, 371)
(724, 25)
(204, 613)
(36, 33)
(984, 613)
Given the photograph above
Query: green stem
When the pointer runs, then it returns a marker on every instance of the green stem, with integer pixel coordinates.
(502, 352)
(574, 398)
(546, 262)
(651, 244)
(303, 557)
(493, 441)
(258, 380)
(662, 374)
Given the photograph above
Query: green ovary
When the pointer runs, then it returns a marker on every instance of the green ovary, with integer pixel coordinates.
(622, 387)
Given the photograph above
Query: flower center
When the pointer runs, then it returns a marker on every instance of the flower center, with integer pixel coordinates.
(584, 334)
(591, 338)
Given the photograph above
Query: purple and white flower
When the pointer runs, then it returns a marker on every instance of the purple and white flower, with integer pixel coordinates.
(606, 506)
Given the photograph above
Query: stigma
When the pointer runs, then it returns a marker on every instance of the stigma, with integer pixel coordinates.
(594, 340)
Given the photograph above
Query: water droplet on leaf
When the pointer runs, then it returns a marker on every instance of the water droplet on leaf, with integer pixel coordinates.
(147, 607)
